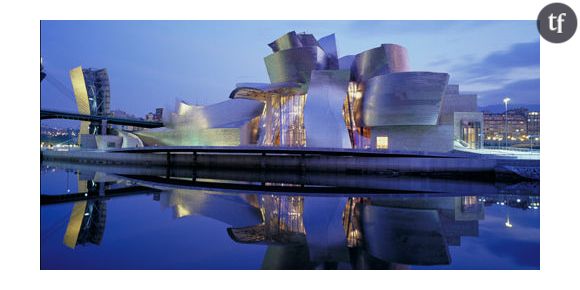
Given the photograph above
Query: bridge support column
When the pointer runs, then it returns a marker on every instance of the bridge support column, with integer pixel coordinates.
(104, 127)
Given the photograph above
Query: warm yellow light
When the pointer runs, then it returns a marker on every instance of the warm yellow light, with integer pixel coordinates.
(382, 142)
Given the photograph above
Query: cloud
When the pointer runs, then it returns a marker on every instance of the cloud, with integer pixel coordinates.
(514, 72)
(521, 92)
(519, 55)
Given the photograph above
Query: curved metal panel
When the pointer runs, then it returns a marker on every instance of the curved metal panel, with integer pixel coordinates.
(345, 62)
(323, 120)
(81, 96)
(227, 123)
(295, 65)
(80, 90)
(410, 98)
(183, 136)
(307, 39)
(286, 41)
(328, 44)
(263, 91)
(92, 94)
(387, 58)
(217, 115)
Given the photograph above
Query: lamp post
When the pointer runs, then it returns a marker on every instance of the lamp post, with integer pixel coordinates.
(506, 101)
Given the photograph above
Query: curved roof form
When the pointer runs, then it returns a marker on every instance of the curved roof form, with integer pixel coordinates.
(295, 64)
(295, 55)
(227, 123)
(213, 116)
(293, 40)
(262, 91)
(409, 98)
(385, 59)
(286, 41)
(328, 44)
(345, 62)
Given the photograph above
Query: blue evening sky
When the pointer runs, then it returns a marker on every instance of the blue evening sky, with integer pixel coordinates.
(154, 63)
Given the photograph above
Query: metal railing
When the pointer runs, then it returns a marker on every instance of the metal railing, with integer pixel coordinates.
(515, 149)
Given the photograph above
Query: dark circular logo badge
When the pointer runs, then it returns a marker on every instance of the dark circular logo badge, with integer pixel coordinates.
(557, 22)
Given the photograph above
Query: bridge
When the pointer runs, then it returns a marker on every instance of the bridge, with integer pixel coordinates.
(49, 114)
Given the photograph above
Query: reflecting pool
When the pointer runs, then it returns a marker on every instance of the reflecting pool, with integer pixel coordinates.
(123, 218)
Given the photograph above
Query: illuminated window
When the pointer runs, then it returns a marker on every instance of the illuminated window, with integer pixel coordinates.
(383, 142)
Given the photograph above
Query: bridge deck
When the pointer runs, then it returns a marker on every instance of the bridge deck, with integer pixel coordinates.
(49, 114)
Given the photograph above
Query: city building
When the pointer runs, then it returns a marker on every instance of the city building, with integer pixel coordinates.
(158, 115)
(59, 137)
(124, 115)
(371, 100)
(534, 123)
(521, 127)
(149, 117)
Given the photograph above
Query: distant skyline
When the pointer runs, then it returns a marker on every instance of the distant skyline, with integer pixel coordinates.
(152, 64)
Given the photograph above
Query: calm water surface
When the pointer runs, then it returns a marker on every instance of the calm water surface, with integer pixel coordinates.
(145, 225)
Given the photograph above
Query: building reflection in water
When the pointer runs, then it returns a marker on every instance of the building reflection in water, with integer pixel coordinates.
(234, 210)
(339, 232)
(319, 232)
(281, 223)
(87, 220)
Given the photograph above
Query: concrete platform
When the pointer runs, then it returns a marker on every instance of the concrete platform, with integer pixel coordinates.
(453, 165)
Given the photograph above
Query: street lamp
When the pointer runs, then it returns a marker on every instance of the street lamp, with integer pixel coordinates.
(506, 101)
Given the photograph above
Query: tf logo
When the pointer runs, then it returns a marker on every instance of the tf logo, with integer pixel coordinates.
(560, 19)
(557, 22)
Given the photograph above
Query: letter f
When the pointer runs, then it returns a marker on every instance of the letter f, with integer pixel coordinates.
(560, 20)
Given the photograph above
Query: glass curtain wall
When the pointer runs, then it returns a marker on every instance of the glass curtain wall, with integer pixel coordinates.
(360, 137)
(282, 122)
(471, 134)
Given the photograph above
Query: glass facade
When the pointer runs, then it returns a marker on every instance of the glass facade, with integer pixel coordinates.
(282, 121)
(471, 134)
(360, 137)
